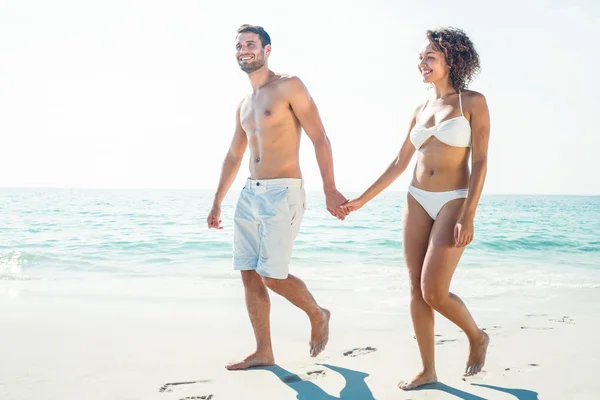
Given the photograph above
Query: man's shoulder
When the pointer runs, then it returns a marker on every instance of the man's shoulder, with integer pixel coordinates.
(290, 82)
(287, 77)
(291, 86)
(243, 101)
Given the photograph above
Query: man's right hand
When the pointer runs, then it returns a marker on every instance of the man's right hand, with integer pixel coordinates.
(214, 218)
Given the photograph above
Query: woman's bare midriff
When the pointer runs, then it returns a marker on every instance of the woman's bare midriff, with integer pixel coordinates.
(441, 167)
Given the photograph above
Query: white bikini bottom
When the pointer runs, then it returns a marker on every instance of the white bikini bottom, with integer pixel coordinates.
(433, 202)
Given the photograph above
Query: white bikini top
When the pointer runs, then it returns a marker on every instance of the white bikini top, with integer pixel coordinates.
(453, 132)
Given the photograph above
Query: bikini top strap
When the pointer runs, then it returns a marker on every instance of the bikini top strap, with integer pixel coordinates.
(460, 103)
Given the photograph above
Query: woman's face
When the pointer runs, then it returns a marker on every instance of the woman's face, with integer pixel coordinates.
(432, 63)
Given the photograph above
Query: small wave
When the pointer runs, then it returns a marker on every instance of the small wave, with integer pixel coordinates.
(564, 285)
(13, 261)
(589, 248)
(203, 245)
(12, 277)
(535, 244)
(159, 260)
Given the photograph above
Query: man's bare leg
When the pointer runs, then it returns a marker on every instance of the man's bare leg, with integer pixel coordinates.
(259, 308)
(296, 292)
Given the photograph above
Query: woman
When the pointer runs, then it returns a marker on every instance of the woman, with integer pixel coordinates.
(443, 196)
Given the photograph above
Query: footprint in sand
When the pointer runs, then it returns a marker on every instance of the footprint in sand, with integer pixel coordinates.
(529, 367)
(207, 397)
(436, 335)
(308, 376)
(493, 328)
(538, 328)
(564, 320)
(442, 341)
(168, 387)
(359, 351)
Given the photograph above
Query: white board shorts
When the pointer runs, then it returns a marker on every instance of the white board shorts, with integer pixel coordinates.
(266, 222)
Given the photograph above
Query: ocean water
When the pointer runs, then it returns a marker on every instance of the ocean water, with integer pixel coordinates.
(520, 242)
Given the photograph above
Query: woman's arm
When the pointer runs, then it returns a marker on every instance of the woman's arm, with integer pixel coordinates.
(480, 133)
(393, 171)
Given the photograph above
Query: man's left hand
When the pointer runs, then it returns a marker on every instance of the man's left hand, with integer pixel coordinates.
(333, 200)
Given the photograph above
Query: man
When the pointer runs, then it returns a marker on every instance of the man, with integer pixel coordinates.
(272, 203)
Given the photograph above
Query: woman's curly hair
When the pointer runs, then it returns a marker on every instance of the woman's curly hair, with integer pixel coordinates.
(461, 56)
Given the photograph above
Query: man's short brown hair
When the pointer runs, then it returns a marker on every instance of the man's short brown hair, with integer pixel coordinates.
(265, 39)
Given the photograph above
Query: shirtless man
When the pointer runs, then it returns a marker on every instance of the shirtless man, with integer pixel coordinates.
(272, 203)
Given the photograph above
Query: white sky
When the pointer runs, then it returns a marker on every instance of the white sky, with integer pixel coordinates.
(143, 93)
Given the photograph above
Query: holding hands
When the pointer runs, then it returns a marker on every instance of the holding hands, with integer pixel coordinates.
(352, 205)
(334, 200)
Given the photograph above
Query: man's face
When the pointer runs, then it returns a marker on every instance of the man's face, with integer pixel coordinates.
(249, 52)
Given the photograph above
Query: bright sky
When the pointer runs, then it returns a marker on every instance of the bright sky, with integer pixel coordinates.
(121, 93)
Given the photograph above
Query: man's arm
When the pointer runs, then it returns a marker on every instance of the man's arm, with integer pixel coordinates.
(231, 166)
(307, 113)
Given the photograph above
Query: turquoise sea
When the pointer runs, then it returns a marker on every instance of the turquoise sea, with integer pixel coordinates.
(520, 241)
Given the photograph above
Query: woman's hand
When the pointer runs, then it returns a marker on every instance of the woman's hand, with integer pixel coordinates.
(463, 231)
(352, 205)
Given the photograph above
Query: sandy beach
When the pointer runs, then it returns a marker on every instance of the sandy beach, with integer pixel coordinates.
(141, 338)
(131, 129)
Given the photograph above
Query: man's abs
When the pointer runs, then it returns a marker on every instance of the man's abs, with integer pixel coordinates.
(275, 158)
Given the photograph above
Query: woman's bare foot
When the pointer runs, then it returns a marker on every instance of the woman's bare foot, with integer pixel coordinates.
(422, 378)
(477, 353)
(253, 360)
(320, 333)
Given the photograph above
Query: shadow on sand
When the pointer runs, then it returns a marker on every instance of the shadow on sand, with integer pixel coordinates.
(355, 388)
(520, 394)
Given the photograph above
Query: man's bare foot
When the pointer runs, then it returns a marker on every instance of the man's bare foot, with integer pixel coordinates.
(253, 360)
(477, 353)
(422, 378)
(320, 333)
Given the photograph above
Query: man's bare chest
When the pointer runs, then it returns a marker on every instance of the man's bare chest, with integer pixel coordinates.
(261, 113)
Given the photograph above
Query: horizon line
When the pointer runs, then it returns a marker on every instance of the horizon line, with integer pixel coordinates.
(307, 189)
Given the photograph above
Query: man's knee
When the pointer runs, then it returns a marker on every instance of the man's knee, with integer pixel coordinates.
(250, 278)
(272, 283)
